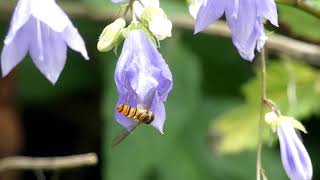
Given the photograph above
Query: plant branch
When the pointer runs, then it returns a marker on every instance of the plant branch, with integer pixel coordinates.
(309, 6)
(47, 163)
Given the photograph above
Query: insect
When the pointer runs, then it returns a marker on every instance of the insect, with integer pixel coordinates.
(137, 114)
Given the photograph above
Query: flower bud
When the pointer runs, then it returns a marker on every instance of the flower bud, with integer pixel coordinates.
(157, 21)
(111, 35)
(194, 6)
(294, 156)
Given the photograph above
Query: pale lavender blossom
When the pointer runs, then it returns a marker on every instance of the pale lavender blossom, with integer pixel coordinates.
(41, 28)
(119, 1)
(295, 158)
(244, 18)
(143, 78)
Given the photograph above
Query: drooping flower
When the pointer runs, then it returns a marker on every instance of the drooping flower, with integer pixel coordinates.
(244, 18)
(294, 156)
(41, 28)
(143, 78)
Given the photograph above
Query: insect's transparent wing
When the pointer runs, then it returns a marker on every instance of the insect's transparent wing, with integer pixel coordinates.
(123, 135)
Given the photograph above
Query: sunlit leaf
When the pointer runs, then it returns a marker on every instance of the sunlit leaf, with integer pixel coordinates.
(299, 23)
(237, 129)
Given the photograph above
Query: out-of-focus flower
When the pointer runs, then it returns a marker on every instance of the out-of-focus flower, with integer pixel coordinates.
(294, 156)
(43, 29)
(119, 1)
(143, 78)
(244, 18)
(153, 17)
(111, 35)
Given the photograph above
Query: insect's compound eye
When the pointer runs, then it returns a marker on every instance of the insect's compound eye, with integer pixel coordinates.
(150, 118)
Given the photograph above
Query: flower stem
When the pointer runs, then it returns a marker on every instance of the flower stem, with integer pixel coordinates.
(264, 100)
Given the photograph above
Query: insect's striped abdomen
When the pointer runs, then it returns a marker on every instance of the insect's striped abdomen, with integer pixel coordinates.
(126, 110)
(139, 114)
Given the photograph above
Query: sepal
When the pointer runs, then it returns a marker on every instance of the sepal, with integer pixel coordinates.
(274, 120)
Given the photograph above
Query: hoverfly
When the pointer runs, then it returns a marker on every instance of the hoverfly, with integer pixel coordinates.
(139, 114)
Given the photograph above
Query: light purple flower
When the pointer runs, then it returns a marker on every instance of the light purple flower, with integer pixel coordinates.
(244, 18)
(295, 158)
(41, 28)
(143, 78)
(119, 1)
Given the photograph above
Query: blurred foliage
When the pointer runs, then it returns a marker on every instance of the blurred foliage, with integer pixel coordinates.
(240, 123)
(299, 23)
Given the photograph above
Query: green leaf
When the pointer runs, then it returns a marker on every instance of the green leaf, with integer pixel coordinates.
(237, 128)
(299, 23)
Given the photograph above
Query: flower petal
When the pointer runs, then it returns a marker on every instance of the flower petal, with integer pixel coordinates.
(159, 112)
(143, 65)
(75, 41)
(49, 53)
(128, 98)
(119, 1)
(121, 75)
(20, 17)
(242, 26)
(268, 9)
(155, 64)
(50, 13)
(256, 39)
(295, 158)
(208, 13)
(14, 51)
(261, 37)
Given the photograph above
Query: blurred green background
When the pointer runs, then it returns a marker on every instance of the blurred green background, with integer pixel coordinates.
(212, 111)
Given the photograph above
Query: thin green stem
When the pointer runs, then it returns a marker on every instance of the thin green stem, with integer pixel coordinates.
(261, 120)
